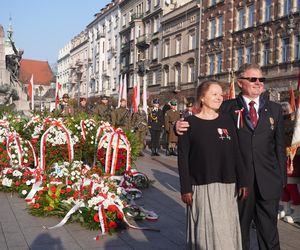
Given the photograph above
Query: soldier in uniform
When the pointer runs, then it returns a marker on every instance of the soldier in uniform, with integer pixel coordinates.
(121, 116)
(83, 107)
(65, 107)
(140, 126)
(104, 110)
(189, 110)
(155, 124)
(171, 117)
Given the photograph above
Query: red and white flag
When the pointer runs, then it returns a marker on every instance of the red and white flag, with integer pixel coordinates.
(124, 92)
(292, 98)
(121, 86)
(57, 89)
(231, 90)
(136, 95)
(144, 95)
(31, 92)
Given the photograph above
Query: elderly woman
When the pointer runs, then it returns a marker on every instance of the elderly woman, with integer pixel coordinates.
(212, 174)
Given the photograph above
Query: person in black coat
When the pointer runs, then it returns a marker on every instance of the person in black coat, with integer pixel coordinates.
(155, 124)
(261, 139)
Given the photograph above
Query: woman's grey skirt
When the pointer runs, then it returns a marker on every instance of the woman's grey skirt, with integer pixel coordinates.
(213, 219)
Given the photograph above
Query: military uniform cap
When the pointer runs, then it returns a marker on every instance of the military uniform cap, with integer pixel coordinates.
(104, 97)
(65, 96)
(173, 102)
(82, 99)
(155, 101)
(189, 104)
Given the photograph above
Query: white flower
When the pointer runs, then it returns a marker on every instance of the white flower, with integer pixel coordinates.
(6, 182)
(13, 156)
(24, 192)
(25, 161)
(28, 183)
(17, 173)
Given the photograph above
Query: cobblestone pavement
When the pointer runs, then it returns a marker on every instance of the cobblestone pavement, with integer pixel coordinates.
(19, 230)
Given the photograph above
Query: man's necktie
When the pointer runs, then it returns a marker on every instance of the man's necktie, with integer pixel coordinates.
(253, 114)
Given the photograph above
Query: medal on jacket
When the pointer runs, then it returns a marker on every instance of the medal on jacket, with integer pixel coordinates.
(271, 122)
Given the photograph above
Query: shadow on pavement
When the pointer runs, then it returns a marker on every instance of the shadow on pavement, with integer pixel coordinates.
(45, 241)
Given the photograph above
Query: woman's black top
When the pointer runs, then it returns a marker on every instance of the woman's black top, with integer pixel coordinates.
(208, 153)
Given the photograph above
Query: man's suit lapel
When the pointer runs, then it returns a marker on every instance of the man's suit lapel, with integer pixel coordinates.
(264, 115)
(246, 115)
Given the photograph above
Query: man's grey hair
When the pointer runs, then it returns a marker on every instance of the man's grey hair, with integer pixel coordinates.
(246, 67)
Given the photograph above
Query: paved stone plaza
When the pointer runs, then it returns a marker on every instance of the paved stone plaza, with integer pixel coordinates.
(19, 230)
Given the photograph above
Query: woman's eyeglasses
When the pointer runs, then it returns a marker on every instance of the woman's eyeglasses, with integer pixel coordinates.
(253, 79)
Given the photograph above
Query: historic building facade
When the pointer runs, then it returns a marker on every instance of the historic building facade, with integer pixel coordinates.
(104, 51)
(263, 32)
(63, 67)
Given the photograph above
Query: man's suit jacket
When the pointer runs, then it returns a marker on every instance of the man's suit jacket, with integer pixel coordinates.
(262, 148)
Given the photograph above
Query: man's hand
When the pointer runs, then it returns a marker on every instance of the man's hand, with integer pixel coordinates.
(181, 126)
(187, 198)
(243, 193)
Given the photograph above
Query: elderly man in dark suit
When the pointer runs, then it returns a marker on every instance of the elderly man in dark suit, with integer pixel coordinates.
(259, 124)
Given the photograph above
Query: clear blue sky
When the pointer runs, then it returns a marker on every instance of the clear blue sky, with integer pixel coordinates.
(42, 27)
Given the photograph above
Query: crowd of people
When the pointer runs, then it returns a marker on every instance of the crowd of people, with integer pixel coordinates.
(158, 122)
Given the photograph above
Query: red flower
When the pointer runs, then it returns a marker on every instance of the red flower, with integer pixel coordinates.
(68, 189)
(112, 225)
(120, 215)
(69, 182)
(62, 191)
(96, 217)
(53, 196)
(49, 208)
(37, 205)
(40, 191)
(18, 183)
(112, 208)
(53, 189)
(45, 189)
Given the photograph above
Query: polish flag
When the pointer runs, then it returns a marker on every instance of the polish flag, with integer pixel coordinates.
(121, 86)
(136, 96)
(57, 89)
(31, 92)
(292, 98)
(231, 91)
(144, 96)
(124, 90)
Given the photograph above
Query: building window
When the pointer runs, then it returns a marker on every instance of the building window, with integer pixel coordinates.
(241, 16)
(220, 25)
(155, 51)
(249, 54)
(156, 25)
(192, 41)
(178, 45)
(148, 5)
(213, 2)
(156, 3)
(212, 28)
(297, 48)
(166, 76)
(298, 5)
(154, 78)
(251, 15)
(287, 7)
(219, 63)
(211, 64)
(131, 56)
(124, 20)
(167, 48)
(239, 57)
(191, 72)
(285, 49)
(177, 74)
(266, 54)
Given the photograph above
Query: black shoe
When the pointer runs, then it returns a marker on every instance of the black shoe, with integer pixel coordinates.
(167, 152)
(153, 152)
(156, 152)
(174, 152)
(141, 154)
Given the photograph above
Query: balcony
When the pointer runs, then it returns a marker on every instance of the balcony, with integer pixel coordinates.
(125, 47)
(143, 41)
(136, 16)
(100, 35)
(124, 68)
(155, 36)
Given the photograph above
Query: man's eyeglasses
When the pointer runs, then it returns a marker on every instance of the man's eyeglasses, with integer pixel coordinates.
(253, 79)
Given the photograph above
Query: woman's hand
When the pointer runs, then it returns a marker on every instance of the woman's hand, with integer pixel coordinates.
(187, 198)
(181, 126)
(243, 193)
